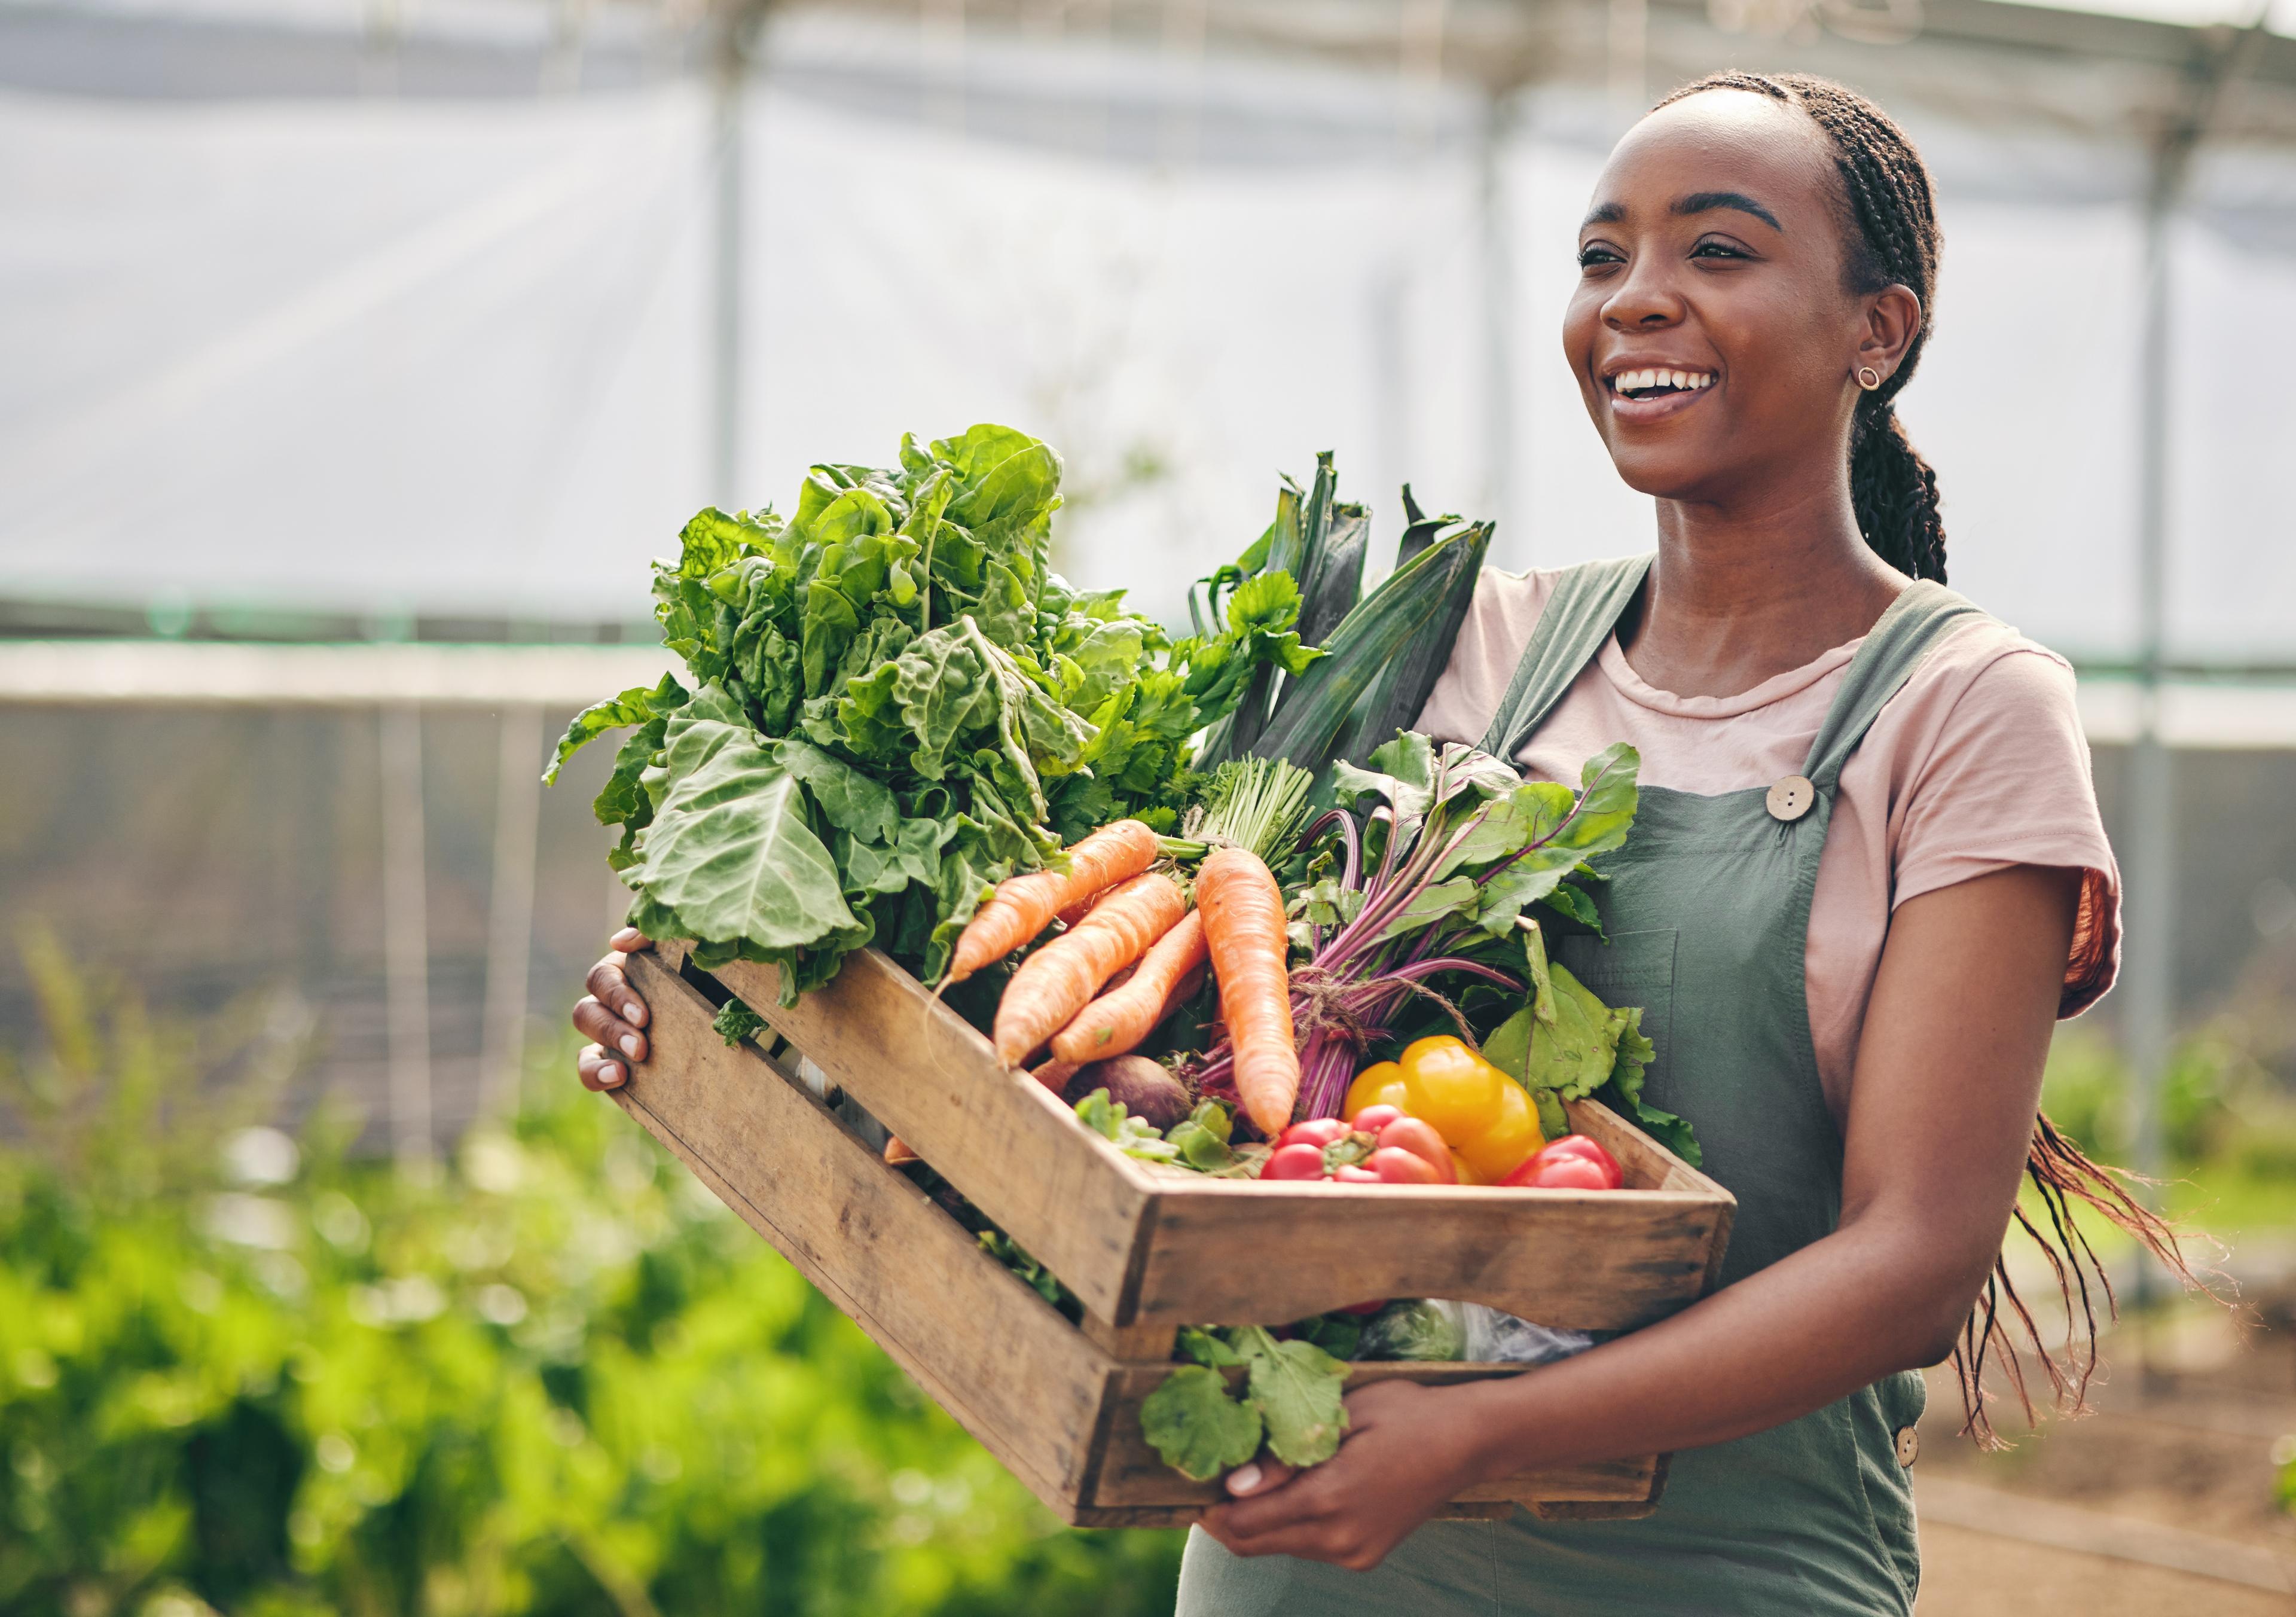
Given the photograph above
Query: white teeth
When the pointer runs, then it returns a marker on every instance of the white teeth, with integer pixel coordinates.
(1687, 381)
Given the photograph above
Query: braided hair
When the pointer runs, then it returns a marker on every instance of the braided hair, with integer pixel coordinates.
(1891, 231)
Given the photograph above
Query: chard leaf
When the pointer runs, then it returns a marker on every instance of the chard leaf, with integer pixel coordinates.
(1200, 1431)
(729, 853)
(1295, 1386)
(634, 706)
(853, 802)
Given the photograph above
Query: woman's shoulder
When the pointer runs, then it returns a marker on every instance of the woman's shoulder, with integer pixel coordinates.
(1985, 674)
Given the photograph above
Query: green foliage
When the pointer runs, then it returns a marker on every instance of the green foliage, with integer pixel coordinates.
(555, 1378)
(895, 705)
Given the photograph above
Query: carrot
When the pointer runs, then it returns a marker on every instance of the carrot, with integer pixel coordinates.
(1118, 1020)
(1243, 924)
(1021, 906)
(1060, 979)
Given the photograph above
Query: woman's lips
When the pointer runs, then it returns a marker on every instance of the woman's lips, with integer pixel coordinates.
(1657, 407)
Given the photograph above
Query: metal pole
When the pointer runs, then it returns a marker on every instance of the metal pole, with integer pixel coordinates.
(2149, 932)
(1498, 292)
(725, 334)
(406, 937)
(509, 909)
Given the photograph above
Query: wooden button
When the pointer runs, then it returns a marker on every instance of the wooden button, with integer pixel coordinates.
(1909, 1445)
(1790, 798)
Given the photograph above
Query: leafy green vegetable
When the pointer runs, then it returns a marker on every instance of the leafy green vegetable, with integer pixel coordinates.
(895, 705)
(1295, 1386)
(1135, 1137)
(1202, 1137)
(1417, 1329)
(1569, 1045)
(1338, 1334)
(736, 1022)
(1197, 1429)
(1291, 1393)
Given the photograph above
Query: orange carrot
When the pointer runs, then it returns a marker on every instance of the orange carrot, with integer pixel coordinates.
(1243, 924)
(1118, 1020)
(1021, 906)
(1060, 979)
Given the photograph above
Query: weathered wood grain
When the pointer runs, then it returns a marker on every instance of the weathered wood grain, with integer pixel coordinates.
(1010, 1146)
(986, 1348)
(1583, 1260)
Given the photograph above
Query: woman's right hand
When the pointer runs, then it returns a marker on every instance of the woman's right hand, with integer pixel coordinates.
(613, 1015)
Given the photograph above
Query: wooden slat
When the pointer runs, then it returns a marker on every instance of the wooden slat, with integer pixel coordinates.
(1011, 1147)
(1133, 1476)
(1588, 1261)
(986, 1348)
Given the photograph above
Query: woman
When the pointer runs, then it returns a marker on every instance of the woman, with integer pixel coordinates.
(1866, 876)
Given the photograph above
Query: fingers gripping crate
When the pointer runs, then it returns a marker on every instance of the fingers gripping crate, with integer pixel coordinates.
(1146, 1249)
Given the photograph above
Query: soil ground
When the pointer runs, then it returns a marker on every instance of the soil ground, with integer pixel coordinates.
(2128, 1510)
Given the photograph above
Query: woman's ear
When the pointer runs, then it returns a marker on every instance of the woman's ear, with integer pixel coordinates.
(1893, 319)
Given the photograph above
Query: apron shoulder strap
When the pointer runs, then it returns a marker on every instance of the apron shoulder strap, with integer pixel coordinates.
(1578, 618)
(1923, 613)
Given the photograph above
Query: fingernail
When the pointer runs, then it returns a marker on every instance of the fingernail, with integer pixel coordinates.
(630, 1045)
(611, 1076)
(633, 1011)
(1243, 1479)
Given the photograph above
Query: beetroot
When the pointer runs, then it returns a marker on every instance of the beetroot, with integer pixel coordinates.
(1144, 1086)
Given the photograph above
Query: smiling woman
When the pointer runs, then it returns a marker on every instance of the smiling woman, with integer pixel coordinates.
(1867, 874)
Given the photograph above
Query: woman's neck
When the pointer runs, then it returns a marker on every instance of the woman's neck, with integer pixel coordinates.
(1741, 595)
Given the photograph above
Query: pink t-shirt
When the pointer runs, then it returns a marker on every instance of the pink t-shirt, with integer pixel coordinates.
(1976, 765)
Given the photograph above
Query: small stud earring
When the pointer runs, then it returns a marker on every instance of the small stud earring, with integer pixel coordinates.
(1868, 377)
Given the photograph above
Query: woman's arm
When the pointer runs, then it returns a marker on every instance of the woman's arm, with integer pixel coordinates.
(1947, 1078)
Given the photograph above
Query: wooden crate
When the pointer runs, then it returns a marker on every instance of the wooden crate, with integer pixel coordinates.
(1144, 1248)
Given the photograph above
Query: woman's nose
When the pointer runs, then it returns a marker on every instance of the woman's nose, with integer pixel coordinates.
(1644, 298)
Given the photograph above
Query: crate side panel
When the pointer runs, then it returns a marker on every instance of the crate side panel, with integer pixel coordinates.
(1009, 1144)
(1574, 1260)
(1133, 1477)
(1012, 1371)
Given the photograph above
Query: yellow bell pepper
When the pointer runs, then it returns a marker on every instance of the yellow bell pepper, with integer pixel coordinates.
(1482, 1114)
(1507, 1142)
(1380, 1084)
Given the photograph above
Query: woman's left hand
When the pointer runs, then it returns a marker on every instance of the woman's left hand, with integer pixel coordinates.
(1408, 1450)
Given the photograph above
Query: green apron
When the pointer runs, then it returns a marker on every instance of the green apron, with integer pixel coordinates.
(1707, 910)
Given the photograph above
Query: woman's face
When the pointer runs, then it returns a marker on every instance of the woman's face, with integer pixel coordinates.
(1712, 335)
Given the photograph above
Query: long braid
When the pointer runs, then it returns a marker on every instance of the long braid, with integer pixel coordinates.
(1891, 232)
(1893, 240)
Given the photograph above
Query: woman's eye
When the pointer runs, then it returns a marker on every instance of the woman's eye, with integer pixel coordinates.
(1594, 253)
(1711, 249)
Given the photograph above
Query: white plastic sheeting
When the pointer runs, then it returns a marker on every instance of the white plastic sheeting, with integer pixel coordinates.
(389, 356)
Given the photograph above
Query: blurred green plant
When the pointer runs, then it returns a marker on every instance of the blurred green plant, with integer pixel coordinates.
(257, 1373)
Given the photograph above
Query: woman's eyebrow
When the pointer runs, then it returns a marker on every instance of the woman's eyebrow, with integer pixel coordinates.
(1608, 213)
(1706, 201)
